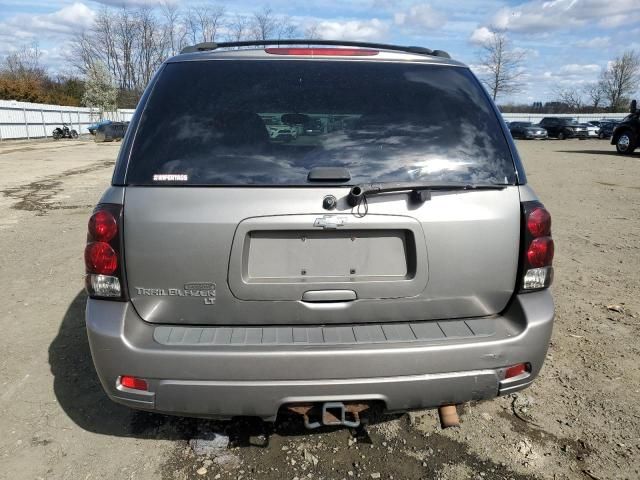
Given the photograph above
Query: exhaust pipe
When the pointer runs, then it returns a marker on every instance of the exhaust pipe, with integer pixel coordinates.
(448, 416)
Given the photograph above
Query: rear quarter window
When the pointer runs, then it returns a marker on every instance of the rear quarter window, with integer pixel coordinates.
(263, 123)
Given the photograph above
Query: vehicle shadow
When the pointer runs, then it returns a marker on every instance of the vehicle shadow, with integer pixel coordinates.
(80, 395)
(600, 152)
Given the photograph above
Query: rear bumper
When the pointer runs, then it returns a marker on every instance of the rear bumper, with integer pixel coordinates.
(229, 380)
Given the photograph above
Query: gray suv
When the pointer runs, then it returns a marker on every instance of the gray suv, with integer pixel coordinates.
(391, 256)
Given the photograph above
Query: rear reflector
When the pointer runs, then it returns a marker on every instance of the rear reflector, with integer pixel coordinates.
(133, 382)
(516, 370)
(329, 52)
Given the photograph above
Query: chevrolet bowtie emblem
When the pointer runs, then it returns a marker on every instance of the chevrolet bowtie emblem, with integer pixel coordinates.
(329, 222)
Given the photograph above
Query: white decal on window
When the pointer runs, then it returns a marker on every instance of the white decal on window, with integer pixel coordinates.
(165, 177)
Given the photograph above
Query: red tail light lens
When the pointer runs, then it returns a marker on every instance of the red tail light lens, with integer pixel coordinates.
(330, 52)
(134, 382)
(102, 226)
(540, 252)
(100, 258)
(539, 222)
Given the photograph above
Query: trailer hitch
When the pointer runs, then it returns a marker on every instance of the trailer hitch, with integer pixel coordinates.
(330, 414)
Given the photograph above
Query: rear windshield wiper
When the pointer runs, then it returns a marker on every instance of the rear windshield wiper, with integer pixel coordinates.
(419, 192)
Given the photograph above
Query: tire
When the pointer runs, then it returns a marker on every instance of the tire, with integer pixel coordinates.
(626, 143)
(562, 136)
(601, 136)
(56, 134)
(74, 134)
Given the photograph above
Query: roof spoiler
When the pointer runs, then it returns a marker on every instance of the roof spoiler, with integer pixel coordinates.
(209, 46)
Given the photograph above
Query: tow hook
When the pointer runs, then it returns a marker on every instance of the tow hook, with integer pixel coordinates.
(448, 416)
(330, 414)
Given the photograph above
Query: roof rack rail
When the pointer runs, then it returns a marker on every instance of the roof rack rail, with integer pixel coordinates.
(207, 46)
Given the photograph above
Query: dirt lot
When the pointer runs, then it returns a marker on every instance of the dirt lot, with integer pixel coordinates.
(581, 419)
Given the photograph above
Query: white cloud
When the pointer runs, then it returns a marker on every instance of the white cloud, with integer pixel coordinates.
(51, 30)
(133, 3)
(545, 15)
(481, 36)
(420, 18)
(373, 30)
(69, 19)
(576, 69)
(594, 42)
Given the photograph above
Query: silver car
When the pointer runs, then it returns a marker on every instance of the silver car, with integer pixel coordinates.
(396, 260)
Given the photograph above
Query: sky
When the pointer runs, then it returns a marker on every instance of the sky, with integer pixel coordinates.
(566, 43)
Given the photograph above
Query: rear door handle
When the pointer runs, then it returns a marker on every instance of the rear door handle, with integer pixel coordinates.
(316, 296)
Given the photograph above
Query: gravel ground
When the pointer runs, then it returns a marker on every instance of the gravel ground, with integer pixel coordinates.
(580, 420)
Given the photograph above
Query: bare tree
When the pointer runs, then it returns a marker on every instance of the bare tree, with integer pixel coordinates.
(238, 28)
(24, 64)
(502, 65)
(286, 29)
(264, 24)
(151, 48)
(130, 44)
(312, 31)
(203, 22)
(571, 97)
(621, 79)
(595, 94)
(174, 31)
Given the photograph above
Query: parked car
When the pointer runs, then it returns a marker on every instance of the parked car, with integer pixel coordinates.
(373, 266)
(592, 130)
(606, 129)
(64, 132)
(94, 126)
(282, 133)
(109, 132)
(527, 130)
(562, 128)
(626, 134)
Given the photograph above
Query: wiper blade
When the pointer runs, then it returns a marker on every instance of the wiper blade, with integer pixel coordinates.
(420, 192)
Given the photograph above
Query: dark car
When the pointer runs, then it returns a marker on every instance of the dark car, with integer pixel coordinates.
(527, 130)
(626, 134)
(93, 127)
(398, 261)
(111, 131)
(564, 127)
(606, 129)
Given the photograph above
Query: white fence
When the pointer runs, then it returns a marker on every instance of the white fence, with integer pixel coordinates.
(580, 117)
(37, 120)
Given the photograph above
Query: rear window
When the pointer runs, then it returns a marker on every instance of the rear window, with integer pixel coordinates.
(224, 122)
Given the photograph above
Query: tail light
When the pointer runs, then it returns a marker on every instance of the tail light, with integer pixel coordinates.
(103, 253)
(538, 248)
(327, 52)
